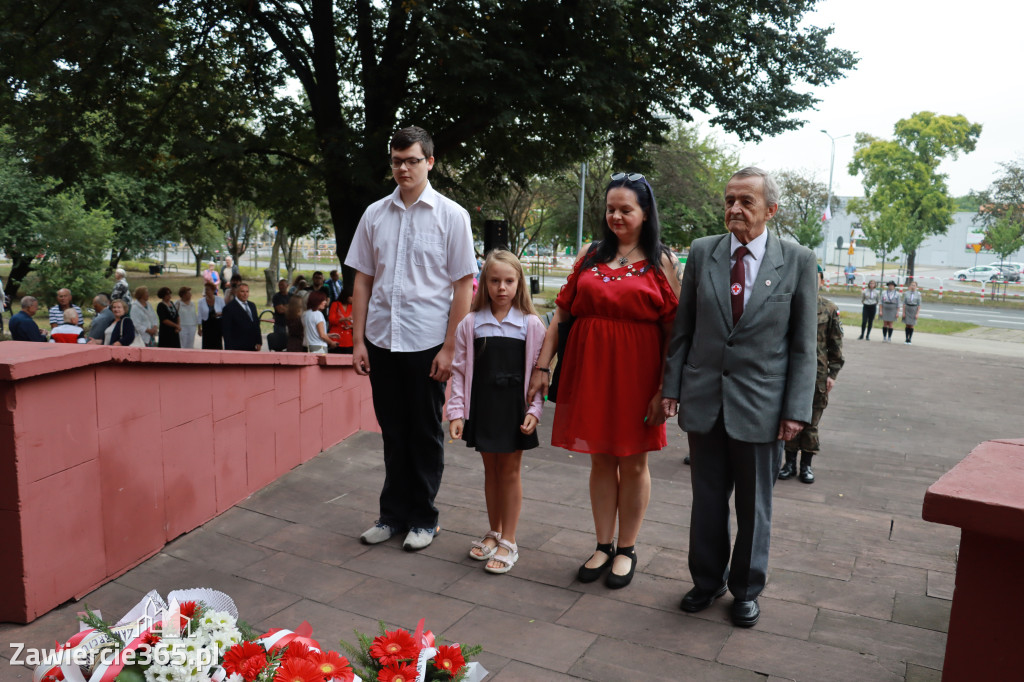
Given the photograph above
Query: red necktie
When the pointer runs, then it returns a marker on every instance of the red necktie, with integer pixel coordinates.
(738, 280)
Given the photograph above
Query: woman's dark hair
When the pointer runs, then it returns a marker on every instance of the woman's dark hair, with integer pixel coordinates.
(650, 231)
(163, 292)
(315, 299)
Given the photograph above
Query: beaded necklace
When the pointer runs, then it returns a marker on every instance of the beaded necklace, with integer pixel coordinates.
(630, 272)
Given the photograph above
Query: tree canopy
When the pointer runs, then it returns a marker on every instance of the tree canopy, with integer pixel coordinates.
(1001, 209)
(508, 88)
(901, 177)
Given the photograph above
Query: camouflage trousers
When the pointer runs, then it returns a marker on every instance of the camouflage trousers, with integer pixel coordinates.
(807, 440)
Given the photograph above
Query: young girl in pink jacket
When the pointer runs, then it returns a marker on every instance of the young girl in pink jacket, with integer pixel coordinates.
(496, 348)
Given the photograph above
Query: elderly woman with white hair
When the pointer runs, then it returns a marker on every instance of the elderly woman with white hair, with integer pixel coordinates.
(121, 291)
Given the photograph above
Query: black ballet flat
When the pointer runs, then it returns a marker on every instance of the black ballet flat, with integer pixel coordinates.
(615, 581)
(589, 575)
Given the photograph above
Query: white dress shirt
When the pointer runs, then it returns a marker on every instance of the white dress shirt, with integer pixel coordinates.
(414, 255)
(751, 262)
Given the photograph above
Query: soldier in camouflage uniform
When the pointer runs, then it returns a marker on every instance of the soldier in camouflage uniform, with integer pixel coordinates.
(830, 361)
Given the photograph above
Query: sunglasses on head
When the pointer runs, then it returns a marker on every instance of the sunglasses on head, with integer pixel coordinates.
(632, 177)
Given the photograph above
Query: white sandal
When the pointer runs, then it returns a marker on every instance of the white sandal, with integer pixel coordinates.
(487, 550)
(509, 560)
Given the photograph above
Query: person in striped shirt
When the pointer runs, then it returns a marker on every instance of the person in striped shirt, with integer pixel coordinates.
(63, 303)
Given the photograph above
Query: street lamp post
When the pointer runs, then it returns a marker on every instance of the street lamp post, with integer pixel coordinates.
(831, 170)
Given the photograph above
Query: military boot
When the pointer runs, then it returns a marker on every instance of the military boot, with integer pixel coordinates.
(788, 469)
(806, 474)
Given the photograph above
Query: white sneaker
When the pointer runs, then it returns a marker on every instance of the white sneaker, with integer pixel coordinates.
(378, 534)
(418, 538)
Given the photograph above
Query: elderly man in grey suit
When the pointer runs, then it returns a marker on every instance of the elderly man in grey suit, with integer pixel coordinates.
(740, 373)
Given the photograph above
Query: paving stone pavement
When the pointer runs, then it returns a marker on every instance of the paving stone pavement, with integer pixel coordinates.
(859, 586)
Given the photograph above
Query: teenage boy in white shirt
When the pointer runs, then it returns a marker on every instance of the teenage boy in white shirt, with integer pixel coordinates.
(414, 261)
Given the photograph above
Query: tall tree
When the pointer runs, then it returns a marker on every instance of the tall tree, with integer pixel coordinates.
(800, 207)
(22, 197)
(902, 175)
(884, 231)
(689, 172)
(1001, 209)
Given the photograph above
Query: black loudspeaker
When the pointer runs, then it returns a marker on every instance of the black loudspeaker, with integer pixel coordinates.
(495, 234)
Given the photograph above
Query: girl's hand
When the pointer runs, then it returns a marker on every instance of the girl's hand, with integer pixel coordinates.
(539, 381)
(655, 412)
(455, 429)
(529, 424)
(335, 336)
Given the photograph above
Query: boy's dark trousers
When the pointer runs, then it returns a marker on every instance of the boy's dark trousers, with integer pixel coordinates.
(408, 404)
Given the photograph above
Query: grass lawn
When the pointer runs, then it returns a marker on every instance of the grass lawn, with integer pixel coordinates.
(925, 326)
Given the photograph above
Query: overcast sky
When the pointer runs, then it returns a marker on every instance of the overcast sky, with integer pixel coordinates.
(949, 58)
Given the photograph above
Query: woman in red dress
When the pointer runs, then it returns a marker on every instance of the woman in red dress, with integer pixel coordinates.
(623, 295)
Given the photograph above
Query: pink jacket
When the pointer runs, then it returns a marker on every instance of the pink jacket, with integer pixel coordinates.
(462, 366)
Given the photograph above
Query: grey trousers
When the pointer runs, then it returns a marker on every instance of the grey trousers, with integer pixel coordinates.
(718, 465)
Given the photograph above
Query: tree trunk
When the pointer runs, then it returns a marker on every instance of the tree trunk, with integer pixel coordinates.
(20, 267)
(273, 270)
(911, 260)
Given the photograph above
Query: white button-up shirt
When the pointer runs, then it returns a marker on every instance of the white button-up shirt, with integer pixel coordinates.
(751, 262)
(414, 255)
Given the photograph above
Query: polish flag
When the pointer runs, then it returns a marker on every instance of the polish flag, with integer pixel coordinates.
(827, 215)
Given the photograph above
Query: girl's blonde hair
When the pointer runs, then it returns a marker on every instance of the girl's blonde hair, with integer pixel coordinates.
(520, 301)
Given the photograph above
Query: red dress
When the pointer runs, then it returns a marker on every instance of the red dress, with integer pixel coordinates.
(613, 359)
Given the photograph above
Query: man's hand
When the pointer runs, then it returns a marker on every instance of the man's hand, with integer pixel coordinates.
(441, 367)
(360, 359)
(529, 424)
(539, 381)
(829, 383)
(789, 429)
(670, 407)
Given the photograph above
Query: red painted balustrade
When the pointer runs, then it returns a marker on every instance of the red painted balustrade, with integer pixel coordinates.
(106, 454)
(984, 496)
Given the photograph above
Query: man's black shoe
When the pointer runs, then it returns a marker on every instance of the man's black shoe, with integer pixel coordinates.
(697, 599)
(788, 469)
(745, 614)
(806, 474)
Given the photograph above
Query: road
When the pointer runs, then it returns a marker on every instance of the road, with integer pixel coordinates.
(986, 317)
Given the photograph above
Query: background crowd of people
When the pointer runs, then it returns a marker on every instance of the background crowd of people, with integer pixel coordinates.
(307, 317)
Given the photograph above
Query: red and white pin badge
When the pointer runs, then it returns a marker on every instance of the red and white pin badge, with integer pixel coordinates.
(736, 289)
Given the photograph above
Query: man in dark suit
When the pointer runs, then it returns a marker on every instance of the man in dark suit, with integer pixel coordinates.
(23, 327)
(241, 322)
(740, 373)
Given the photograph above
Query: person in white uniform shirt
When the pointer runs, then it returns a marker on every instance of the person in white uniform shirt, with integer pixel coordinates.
(414, 262)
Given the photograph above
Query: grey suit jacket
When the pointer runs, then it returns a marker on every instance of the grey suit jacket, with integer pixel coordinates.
(763, 369)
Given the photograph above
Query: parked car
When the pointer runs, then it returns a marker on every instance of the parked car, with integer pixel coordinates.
(1010, 273)
(1019, 267)
(982, 273)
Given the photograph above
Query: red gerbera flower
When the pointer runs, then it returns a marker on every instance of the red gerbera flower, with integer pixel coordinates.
(188, 609)
(298, 670)
(151, 638)
(397, 673)
(333, 666)
(393, 646)
(296, 650)
(248, 659)
(449, 659)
